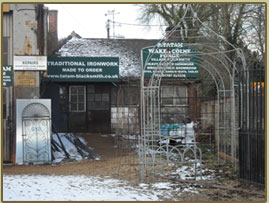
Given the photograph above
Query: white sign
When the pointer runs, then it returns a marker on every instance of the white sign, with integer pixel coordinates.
(30, 63)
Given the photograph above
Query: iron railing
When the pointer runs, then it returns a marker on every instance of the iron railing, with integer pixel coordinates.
(252, 124)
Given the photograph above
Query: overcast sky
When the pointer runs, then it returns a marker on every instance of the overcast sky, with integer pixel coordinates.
(89, 21)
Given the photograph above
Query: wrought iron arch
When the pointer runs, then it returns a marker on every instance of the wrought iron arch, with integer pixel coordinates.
(150, 90)
(35, 110)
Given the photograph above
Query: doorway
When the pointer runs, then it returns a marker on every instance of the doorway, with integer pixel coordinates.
(89, 108)
(98, 108)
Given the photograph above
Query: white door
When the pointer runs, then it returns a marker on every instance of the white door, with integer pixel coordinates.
(36, 128)
(36, 143)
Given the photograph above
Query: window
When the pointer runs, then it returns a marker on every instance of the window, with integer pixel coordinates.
(77, 98)
(98, 98)
(174, 95)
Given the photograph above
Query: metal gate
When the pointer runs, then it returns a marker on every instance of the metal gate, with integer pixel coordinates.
(33, 131)
(252, 124)
(36, 133)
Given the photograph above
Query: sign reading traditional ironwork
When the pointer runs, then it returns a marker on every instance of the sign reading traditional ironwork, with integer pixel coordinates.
(183, 61)
(7, 76)
(30, 63)
(83, 69)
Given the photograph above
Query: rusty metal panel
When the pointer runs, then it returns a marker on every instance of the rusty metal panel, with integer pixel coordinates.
(26, 84)
(23, 92)
(25, 79)
(25, 29)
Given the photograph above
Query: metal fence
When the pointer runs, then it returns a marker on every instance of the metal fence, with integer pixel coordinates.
(252, 124)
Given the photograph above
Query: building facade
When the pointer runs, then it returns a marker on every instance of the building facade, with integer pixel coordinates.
(111, 106)
(24, 35)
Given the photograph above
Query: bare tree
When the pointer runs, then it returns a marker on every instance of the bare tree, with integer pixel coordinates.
(243, 25)
(240, 24)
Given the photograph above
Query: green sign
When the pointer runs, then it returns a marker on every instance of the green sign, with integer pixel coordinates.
(7, 76)
(83, 69)
(183, 60)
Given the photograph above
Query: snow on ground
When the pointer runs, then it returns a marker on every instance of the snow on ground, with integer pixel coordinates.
(186, 172)
(81, 188)
(94, 188)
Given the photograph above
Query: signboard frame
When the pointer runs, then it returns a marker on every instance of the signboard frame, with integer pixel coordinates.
(7, 76)
(83, 69)
(31, 63)
(184, 61)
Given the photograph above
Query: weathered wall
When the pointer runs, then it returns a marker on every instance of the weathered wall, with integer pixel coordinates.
(25, 29)
(125, 109)
(25, 43)
(210, 109)
(29, 40)
(125, 120)
(24, 33)
(52, 32)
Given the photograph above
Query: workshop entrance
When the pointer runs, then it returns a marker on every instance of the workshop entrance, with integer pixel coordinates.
(89, 109)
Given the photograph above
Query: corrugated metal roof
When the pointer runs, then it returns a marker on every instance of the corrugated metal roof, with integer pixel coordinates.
(128, 51)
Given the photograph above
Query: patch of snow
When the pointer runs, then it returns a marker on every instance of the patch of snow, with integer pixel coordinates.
(190, 189)
(166, 185)
(143, 185)
(187, 172)
(184, 172)
(79, 188)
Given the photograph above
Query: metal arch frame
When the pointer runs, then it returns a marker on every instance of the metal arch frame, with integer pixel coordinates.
(150, 94)
(156, 131)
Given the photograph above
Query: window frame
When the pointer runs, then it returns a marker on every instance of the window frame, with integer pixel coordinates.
(77, 95)
(97, 100)
(174, 103)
